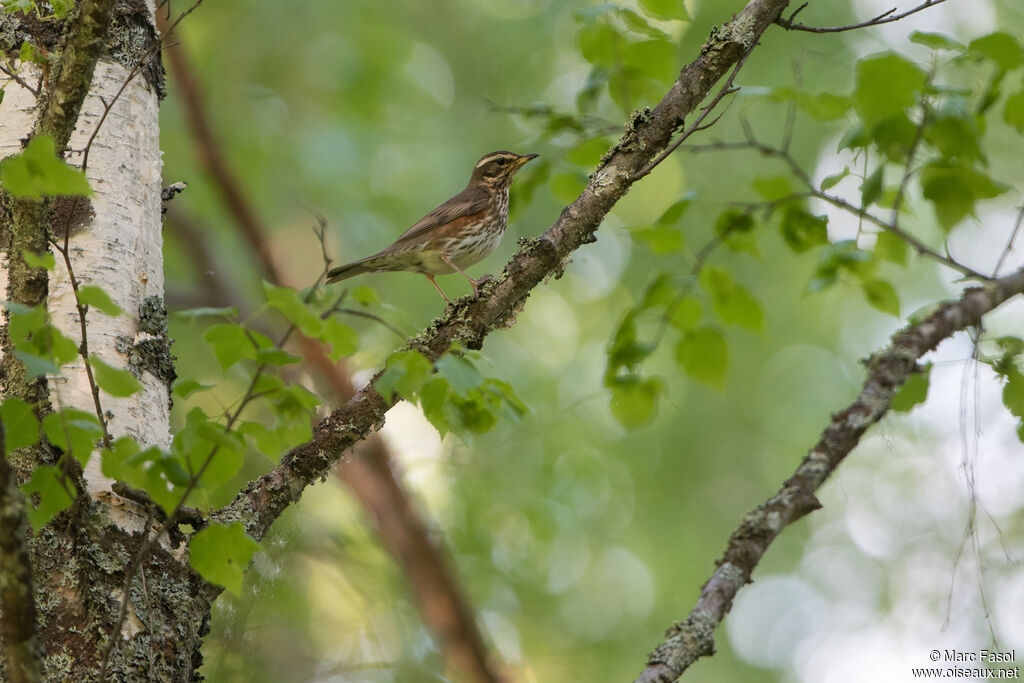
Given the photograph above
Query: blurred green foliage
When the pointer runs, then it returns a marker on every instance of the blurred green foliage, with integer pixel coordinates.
(586, 525)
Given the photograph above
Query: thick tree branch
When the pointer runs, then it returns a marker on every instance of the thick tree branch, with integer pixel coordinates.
(888, 369)
(471, 320)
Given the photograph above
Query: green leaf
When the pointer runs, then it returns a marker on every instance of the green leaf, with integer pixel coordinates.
(222, 553)
(882, 295)
(660, 239)
(274, 356)
(953, 189)
(461, 374)
(891, 247)
(802, 230)
(37, 171)
(291, 305)
(405, 373)
(913, 392)
(886, 84)
(1002, 48)
(1011, 345)
(74, 431)
(894, 136)
(44, 260)
(685, 313)
(341, 337)
(1013, 111)
(598, 42)
(675, 212)
(21, 428)
(114, 381)
(773, 188)
(186, 387)
(731, 301)
(634, 401)
(365, 295)
(732, 221)
(654, 58)
(636, 23)
(871, 188)
(295, 400)
(855, 137)
(36, 366)
(1013, 393)
(589, 152)
(831, 181)
(96, 297)
(703, 354)
(625, 351)
(46, 483)
(953, 131)
(824, 106)
(434, 399)
(936, 41)
(230, 344)
(665, 9)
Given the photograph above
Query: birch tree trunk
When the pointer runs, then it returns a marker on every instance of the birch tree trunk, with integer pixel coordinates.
(79, 569)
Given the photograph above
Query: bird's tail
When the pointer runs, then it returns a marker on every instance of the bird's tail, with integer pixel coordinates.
(370, 264)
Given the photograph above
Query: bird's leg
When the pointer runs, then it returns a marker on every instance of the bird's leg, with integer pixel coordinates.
(439, 290)
(475, 283)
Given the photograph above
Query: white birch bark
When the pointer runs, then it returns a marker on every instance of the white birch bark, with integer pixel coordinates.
(120, 250)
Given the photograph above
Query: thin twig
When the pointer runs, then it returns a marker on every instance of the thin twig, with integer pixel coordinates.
(1009, 244)
(696, 126)
(901, 193)
(883, 18)
(21, 81)
(83, 347)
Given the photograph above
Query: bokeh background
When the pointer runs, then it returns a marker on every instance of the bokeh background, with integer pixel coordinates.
(578, 542)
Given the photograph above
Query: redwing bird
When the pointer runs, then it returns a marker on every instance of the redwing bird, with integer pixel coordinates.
(455, 235)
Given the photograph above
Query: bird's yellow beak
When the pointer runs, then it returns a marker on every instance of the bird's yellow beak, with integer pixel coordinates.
(526, 157)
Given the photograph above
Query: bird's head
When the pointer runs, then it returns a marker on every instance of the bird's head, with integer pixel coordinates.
(497, 169)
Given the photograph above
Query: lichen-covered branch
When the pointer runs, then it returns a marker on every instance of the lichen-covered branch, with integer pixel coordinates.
(888, 369)
(648, 132)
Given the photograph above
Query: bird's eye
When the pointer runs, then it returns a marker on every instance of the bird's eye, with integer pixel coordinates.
(501, 162)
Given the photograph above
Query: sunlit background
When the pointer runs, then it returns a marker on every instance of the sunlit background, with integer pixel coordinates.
(577, 542)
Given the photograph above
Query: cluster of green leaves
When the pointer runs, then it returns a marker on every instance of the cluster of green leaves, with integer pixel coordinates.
(44, 350)
(631, 58)
(695, 306)
(454, 395)
(900, 106)
(905, 124)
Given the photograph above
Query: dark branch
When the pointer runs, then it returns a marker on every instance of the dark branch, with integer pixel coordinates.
(888, 369)
(883, 18)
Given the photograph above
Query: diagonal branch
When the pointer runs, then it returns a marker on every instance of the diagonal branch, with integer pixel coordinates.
(689, 640)
(468, 322)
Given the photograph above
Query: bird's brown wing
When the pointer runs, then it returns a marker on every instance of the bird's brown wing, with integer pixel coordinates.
(466, 203)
